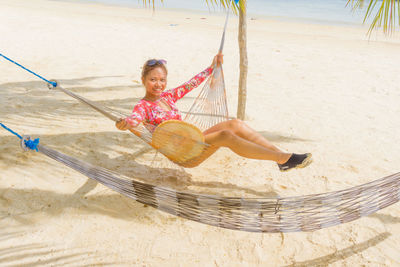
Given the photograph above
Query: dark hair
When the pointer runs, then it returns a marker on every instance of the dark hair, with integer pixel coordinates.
(152, 64)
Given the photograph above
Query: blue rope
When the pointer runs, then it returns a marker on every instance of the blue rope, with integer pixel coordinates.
(37, 75)
(31, 144)
(11, 131)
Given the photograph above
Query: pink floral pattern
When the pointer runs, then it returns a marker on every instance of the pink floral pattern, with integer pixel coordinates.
(150, 113)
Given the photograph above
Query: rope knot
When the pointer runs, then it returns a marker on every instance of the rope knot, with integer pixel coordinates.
(27, 143)
(32, 144)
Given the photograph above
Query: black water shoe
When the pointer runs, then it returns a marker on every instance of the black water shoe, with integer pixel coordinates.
(296, 161)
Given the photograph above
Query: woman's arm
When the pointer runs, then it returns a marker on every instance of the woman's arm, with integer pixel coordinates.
(180, 91)
(133, 120)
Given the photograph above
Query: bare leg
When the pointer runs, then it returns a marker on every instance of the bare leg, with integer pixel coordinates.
(246, 142)
(243, 147)
(242, 130)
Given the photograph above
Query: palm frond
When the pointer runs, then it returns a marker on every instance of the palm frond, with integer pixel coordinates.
(385, 15)
(228, 4)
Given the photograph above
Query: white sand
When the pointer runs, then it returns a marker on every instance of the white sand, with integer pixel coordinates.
(311, 88)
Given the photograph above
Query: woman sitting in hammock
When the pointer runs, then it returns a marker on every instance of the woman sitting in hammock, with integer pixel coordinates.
(159, 105)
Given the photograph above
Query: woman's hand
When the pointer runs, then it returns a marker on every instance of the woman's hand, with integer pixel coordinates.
(218, 59)
(122, 125)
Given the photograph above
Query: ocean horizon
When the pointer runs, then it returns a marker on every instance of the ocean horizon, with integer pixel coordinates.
(317, 11)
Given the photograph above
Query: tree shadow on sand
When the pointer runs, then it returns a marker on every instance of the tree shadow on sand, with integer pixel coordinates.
(34, 99)
(39, 254)
(386, 218)
(343, 253)
(25, 202)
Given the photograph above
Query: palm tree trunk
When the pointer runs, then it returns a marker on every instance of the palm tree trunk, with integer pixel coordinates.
(241, 110)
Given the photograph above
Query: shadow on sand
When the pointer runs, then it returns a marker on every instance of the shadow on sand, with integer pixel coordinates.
(37, 254)
(343, 253)
(34, 99)
(385, 218)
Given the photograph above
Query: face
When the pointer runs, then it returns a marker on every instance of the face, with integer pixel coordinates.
(155, 82)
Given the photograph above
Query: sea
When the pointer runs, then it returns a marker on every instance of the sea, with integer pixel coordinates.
(317, 11)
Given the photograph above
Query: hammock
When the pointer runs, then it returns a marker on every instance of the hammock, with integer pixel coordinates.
(290, 214)
(279, 214)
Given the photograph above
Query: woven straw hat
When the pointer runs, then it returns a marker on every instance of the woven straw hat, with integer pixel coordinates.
(178, 140)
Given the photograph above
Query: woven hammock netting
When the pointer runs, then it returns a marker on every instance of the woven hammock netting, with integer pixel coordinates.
(291, 214)
(210, 107)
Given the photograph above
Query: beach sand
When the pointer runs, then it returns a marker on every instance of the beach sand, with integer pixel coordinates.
(323, 89)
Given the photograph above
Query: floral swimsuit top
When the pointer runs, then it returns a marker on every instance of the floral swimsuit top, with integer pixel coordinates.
(151, 114)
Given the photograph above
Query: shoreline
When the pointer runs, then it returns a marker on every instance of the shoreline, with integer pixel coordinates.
(250, 16)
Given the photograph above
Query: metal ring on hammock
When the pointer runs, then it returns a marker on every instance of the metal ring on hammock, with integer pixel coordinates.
(51, 86)
(22, 143)
(179, 141)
